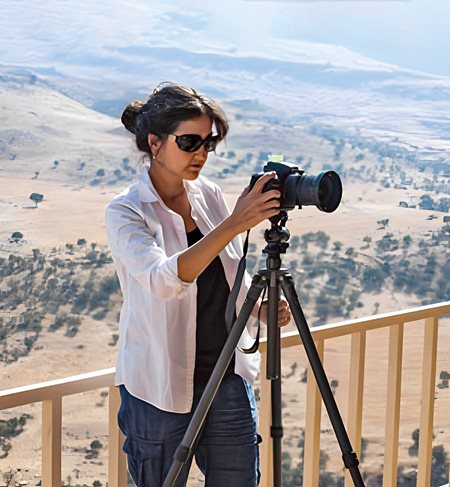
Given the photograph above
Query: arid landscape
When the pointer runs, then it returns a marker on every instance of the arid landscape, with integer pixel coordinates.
(64, 154)
(65, 234)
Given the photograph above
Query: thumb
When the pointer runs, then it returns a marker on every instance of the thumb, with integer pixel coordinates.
(245, 191)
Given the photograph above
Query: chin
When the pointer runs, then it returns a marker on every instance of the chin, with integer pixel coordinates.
(192, 176)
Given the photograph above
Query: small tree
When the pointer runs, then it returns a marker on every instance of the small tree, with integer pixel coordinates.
(426, 202)
(16, 236)
(36, 197)
(337, 246)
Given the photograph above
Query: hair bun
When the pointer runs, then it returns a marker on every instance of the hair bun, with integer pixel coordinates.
(130, 114)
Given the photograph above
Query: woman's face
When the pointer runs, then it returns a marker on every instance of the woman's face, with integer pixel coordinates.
(181, 164)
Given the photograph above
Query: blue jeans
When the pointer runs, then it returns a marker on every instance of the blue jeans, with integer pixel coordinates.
(227, 447)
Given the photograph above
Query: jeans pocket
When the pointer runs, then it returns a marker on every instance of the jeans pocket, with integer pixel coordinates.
(145, 461)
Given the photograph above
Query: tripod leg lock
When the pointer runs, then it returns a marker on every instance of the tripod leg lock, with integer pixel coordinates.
(276, 431)
(350, 460)
(181, 454)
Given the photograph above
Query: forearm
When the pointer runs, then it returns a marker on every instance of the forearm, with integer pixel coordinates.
(194, 260)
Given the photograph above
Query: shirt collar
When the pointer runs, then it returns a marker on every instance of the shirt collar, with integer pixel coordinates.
(148, 193)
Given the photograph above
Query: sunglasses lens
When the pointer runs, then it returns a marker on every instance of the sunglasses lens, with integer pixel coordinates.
(211, 144)
(189, 143)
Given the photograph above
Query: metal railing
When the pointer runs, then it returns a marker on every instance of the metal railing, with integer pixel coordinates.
(51, 393)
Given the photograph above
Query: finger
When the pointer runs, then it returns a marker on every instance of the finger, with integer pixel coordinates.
(287, 313)
(272, 212)
(262, 181)
(284, 317)
(284, 312)
(273, 194)
(283, 322)
(271, 207)
(271, 201)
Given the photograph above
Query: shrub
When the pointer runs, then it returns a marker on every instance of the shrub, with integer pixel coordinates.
(372, 279)
(99, 315)
(16, 236)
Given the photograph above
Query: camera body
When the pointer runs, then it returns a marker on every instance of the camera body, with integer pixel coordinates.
(323, 190)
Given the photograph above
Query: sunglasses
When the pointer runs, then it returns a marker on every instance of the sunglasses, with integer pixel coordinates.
(192, 142)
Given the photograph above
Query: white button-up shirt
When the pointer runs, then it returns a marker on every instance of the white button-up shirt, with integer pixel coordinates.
(158, 319)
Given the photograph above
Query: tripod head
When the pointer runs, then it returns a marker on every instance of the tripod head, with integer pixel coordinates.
(277, 238)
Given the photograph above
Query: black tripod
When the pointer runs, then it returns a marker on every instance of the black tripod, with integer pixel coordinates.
(273, 277)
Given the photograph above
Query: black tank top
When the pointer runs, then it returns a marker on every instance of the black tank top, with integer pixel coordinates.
(212, 296)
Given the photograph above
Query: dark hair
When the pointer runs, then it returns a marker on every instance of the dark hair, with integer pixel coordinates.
(166, 107)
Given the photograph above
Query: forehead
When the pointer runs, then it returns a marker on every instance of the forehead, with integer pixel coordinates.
(201, 126)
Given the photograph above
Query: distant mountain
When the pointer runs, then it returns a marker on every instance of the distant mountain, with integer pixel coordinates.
(104, 56)
(46, 132)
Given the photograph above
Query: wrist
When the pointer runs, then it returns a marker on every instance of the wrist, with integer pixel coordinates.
(231, 227)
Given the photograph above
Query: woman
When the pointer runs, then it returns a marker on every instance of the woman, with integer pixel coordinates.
(176, 247)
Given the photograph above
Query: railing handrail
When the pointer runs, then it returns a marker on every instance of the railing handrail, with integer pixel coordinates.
(76, 384)
(41, 391)
(343, 328)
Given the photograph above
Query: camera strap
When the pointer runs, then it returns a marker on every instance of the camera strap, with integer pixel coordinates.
(232, 298)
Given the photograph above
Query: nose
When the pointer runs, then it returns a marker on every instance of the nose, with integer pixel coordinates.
(201, 151)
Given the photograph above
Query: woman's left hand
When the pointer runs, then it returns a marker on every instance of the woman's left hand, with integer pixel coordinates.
(284, 313)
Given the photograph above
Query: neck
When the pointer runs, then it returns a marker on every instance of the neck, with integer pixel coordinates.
(168, 187)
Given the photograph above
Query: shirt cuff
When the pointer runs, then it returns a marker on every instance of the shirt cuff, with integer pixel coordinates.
(169, 268)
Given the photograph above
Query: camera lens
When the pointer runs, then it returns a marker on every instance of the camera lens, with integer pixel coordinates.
(324, 191)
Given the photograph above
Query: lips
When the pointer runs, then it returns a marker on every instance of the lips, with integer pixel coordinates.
(197, 163)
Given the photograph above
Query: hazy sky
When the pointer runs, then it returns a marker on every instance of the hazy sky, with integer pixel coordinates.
(411, 34)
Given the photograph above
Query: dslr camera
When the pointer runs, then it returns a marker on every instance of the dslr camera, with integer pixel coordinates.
(323, 190)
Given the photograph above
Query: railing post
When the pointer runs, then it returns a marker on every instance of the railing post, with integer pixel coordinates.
(117, 465)
(427, 402)
(394, 385)
(312, 426)
(51, 442)
(265, 419)
(355, 395)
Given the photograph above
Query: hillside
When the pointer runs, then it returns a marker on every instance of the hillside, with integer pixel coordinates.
(384, 248)
(46, 135)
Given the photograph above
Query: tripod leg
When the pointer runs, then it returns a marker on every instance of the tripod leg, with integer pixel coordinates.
(276, 431)
(350, 459)
(273, 331)
(274, 374)
(184, 448)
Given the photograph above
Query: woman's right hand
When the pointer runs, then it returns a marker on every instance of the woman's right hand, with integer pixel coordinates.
(253, 206)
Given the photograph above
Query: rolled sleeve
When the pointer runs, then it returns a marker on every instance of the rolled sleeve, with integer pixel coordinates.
(136, 251)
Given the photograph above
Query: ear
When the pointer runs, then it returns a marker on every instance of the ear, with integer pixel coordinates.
(154, 142)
